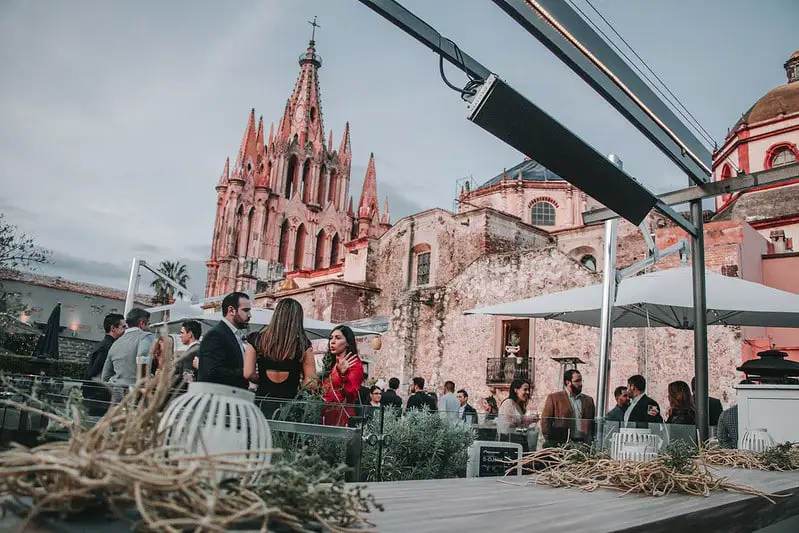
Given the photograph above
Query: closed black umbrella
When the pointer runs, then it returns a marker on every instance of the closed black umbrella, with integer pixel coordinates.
(47, 346)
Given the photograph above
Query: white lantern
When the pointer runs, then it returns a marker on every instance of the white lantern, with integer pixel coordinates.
(631, 444)
(214, 419)
(756, 440)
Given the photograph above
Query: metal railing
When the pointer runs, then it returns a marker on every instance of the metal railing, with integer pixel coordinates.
(503, 370)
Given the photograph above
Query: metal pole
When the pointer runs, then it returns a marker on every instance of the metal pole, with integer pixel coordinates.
(700, 324)
(608, 298)
(133, 286)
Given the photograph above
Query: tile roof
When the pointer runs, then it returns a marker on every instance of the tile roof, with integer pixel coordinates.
(530, 169)
(72, 286)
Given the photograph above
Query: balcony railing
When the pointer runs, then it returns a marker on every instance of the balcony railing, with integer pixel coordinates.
(503, 370)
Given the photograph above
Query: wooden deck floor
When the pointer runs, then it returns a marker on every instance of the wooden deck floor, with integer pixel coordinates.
(484, 504)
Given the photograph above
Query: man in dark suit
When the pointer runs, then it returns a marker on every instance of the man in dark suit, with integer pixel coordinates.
(643, 410)
(390, 397)
(622, 403)
(419, 399)
(467, 413)
(715, 405)
(221, 356)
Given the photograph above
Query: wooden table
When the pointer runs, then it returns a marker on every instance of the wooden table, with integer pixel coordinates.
(484, 504)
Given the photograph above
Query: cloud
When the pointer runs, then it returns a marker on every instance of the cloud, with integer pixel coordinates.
(117, 118)
(87, 270)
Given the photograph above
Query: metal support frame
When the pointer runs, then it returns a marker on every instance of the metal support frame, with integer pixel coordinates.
(567, 35)
(554, 146)
(609, 285)
(701, 395)
(133, 285)
(680, 247)
(739, 183)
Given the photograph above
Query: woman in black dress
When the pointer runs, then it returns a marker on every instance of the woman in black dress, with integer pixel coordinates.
(282, 357)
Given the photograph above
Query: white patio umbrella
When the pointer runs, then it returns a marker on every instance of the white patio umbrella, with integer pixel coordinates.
(663, 298)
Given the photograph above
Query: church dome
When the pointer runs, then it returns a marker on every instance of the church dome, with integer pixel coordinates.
(782, 100)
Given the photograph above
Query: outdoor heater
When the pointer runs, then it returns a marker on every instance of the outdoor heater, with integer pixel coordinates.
(771, 403)
(502, 111)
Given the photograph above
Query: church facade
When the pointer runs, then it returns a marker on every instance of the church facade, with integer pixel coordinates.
(284, 204)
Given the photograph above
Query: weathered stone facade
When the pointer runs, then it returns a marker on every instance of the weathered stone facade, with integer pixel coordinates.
(430, 336)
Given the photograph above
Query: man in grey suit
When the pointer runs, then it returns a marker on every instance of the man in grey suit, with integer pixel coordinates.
(131, 349)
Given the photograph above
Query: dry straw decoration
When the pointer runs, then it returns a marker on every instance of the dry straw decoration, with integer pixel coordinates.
(681, 469)
(120, 464)
(781, 458)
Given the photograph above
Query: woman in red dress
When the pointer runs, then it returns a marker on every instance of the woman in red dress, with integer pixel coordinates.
(344, 372)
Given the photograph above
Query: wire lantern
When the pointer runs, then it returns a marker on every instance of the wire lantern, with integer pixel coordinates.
(218, 420)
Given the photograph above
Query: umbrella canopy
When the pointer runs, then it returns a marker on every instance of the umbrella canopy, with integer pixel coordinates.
(47, 345)
(316, 329)
(663, 298)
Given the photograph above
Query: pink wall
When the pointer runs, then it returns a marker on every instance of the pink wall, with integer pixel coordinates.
(780, 272)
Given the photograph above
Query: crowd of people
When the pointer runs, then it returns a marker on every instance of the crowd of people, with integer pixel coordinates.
(278, 362)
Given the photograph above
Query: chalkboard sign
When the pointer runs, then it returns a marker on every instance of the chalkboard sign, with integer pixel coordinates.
(492, 459)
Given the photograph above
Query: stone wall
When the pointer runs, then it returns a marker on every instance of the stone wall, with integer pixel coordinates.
(429, 335)
(454, 241)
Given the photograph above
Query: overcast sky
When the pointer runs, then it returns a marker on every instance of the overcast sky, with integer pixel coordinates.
(116, 117)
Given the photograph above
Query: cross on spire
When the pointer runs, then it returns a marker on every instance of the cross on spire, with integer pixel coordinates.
(313, 31)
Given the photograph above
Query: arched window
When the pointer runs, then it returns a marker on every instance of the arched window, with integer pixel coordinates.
(334, 249)
(299, 248)
(422, 255)
(236, 244)
(783, 156)
(331, 193)
(589, 262)
(320, 193)
(283, 245)
(290, 175)
(319, 257)
(306, 181)
(726, 172)
(543, 214)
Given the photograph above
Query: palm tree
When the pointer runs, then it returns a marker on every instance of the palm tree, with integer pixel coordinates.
(174, 270)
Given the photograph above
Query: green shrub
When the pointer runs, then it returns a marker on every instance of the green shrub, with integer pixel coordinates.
(22, 364)
(423, 446)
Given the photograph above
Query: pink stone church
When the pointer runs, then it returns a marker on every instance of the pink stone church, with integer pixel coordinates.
(285, 227)
(285, 204)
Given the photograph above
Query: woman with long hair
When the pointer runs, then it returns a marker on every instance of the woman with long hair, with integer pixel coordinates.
(512, 422)
(281, 357)
(342, 376)
(681, 405)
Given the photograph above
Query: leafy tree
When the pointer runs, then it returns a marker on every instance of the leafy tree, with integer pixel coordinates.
(18, 249)
(174, 270)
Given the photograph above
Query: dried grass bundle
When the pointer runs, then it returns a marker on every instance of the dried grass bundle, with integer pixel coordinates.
(679, 470)
(782, 458)
(121, 464)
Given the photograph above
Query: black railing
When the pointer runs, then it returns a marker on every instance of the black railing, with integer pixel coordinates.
(506, 369)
